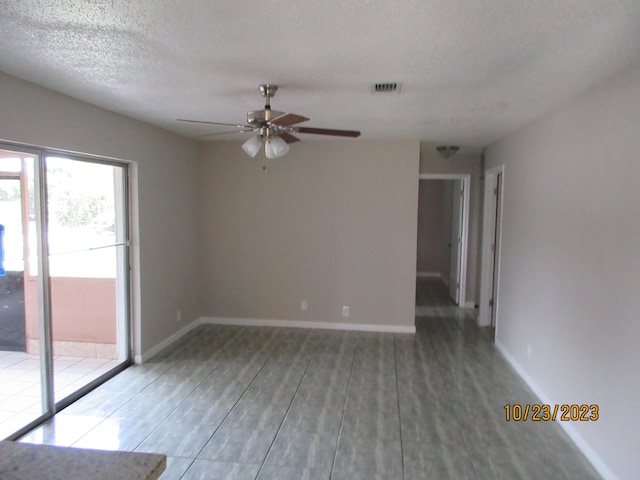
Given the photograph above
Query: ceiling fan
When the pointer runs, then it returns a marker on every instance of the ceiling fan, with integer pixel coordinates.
(275, 129)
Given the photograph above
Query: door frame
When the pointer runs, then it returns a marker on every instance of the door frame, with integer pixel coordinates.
(464, 232)
(490, 266)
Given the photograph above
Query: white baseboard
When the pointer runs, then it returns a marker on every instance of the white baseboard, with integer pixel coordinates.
(577, 439)
(258, 322)
(166, 342)
(433, 275)
(261, 322)
(429, 274)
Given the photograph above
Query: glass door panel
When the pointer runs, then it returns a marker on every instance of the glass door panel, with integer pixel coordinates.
(22, 397)
(87, 245)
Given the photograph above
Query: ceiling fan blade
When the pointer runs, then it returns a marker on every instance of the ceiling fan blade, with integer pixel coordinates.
(287, 137)
(288, 119)
(224, 133)
(214, 123)
(327, 131)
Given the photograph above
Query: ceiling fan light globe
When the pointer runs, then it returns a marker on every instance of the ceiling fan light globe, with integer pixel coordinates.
(269, 150)
(252, 146)
(277, 147)
(447, 151)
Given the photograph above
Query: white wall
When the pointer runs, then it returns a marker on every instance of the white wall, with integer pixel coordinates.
(432, 162)
(333, 223)
(166, 186)
(570, 264)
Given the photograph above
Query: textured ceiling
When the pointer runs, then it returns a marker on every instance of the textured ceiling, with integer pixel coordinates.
(471, 71)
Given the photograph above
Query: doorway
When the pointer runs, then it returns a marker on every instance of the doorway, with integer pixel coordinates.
(443, 219)
(66, 264)
(491, 240)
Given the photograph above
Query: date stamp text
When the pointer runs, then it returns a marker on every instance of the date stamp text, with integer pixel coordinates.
(543, 412)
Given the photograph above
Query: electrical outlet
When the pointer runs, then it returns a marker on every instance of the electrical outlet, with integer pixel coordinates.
(179, 316)
(529, 351)
(304, 305)
(345, 311)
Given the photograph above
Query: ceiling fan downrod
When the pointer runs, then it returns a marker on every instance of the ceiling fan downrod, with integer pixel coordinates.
(267, 90)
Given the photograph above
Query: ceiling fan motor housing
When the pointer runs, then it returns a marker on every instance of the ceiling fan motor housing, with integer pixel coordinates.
(260, 117)
(267, 90)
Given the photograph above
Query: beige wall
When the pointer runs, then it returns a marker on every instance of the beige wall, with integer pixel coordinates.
(166, 179)
(333, 223)
(570, 264)
(471, 164)
(434, 227)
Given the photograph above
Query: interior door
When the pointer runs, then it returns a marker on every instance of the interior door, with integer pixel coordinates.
(456, 240)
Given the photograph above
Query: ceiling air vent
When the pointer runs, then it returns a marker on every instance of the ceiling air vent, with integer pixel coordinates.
(387, 87)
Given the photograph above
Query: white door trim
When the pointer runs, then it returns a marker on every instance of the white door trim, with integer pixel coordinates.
(488, 229)
(464, 234)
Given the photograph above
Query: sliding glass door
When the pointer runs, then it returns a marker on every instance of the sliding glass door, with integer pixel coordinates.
(66, 280)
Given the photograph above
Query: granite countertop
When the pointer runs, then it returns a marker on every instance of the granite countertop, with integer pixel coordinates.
(25, 461)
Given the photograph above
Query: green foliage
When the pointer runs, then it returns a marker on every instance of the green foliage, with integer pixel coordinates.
(68, 205)
(76, 210)
(10, 191)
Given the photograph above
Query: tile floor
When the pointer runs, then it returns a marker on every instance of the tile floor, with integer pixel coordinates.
(266, 403)
(20, 395)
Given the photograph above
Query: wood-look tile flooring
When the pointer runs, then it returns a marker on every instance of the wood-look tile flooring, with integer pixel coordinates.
(276, 403)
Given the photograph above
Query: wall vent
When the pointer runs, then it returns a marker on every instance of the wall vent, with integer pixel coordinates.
(386, 87)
